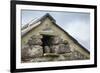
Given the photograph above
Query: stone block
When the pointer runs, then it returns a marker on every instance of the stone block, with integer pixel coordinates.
(36, 51)
(24, 52)
(46, 49)
(56, 40)
(61, 48)
(35, 41)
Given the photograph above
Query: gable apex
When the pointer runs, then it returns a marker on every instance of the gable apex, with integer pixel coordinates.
(49, 16)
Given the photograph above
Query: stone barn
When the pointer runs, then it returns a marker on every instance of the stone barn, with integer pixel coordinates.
(44, 40)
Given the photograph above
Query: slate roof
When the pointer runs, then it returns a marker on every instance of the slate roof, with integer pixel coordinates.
(28, 27)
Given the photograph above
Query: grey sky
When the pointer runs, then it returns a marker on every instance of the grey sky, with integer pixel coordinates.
(76, 24)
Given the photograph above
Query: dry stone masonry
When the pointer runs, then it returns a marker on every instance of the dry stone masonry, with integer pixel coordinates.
(38, 45)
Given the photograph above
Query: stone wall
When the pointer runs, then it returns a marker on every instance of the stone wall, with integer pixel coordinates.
(35, 49)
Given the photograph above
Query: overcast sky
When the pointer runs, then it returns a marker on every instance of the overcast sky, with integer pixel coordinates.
(76, 24)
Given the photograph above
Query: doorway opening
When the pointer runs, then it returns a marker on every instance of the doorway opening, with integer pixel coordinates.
(46, 41)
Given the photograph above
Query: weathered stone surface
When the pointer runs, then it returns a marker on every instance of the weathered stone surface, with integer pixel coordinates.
(76, 55)
(51, 55)
(46, 49)
(35, 41)
(24, 52)
(54, 48)
(65, 42)
(60, 58)
(30, 42)
(56, 40)
(36, 51)
(41, 59)
(61, 48)
(36, 36)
